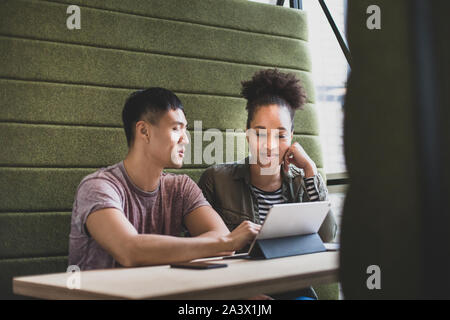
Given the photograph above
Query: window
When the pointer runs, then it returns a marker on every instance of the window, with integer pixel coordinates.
(329, 70)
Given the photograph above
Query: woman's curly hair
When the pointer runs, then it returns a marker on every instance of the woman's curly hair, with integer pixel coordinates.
(273, 87)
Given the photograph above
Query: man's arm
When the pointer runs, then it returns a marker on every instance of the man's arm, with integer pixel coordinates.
(111, 229)
(204, 222)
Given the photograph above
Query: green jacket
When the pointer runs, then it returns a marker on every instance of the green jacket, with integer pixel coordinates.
(227, 188)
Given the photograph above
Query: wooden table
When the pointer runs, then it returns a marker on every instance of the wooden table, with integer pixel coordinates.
(241, 279)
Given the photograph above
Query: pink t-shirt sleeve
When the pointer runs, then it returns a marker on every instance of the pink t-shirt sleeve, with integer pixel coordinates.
(193, 197)
(93, 195)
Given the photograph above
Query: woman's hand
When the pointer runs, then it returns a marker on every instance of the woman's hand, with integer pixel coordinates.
(296, 155)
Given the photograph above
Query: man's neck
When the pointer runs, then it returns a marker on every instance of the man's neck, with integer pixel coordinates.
(266, 182)
(143, 172)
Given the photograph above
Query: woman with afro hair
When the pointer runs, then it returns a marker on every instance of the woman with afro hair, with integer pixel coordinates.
(277, 170)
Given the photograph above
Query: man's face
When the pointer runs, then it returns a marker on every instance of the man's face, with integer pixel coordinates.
(168, 139)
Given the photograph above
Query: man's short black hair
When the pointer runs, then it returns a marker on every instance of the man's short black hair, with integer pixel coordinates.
(149, 104)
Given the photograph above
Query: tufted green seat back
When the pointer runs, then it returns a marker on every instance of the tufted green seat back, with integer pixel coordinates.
(62, 92)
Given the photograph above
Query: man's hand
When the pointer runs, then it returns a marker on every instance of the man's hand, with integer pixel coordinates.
(242, 235)
(299, 158)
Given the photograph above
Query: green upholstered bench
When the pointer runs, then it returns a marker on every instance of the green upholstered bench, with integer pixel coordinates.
(62, 92)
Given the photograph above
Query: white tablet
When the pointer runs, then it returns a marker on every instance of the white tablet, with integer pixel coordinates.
(293, 219)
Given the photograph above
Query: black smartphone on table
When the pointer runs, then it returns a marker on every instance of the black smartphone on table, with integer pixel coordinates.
(200, 265)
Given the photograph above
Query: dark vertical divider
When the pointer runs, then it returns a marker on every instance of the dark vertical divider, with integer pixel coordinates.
(396, 144)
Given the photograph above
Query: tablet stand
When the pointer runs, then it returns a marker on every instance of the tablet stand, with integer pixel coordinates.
(287, 246)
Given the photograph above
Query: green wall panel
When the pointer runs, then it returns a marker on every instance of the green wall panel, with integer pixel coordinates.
(53, 103)
(34, 234)
(68, 63)
(73, 146)
(233, 14)
(136, 33)
(26, 267)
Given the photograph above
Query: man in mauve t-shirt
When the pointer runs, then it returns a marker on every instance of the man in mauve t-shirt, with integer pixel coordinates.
(132, 213)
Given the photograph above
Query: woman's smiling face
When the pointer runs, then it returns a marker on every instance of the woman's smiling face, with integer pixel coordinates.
(270, 135)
